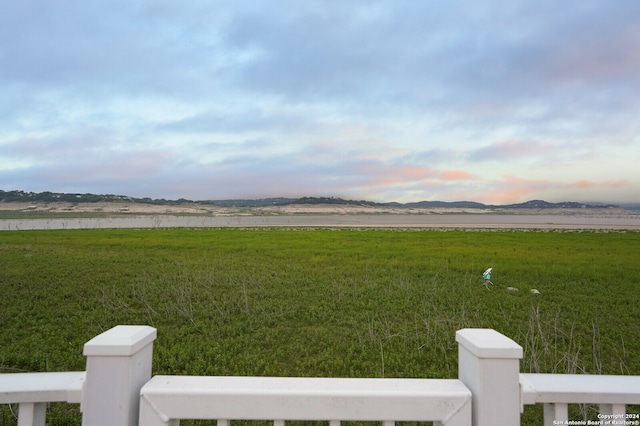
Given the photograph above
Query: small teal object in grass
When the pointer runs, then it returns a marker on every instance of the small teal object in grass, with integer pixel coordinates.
(487, 278)
(487, 274)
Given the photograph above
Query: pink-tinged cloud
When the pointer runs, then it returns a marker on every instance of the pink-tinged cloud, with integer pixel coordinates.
(392, 173)
(586, 184)
(583, 184)
(409, 173)
(502, 150)
(507, 195)
(514, 189)
(378, 174)
(515, 180)
(457, 175)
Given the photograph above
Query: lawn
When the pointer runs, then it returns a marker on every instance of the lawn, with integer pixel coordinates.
(321, 302)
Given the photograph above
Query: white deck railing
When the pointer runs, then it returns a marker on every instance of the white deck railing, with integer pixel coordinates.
(557, 391)
(166, 399)
(117, 389)
(32, 392)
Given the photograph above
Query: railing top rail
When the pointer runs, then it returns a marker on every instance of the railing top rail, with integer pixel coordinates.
(41, 387)
(309, 386)
(579, 389)
(288, 398)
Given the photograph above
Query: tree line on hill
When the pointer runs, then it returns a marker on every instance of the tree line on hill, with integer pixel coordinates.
(48, 197)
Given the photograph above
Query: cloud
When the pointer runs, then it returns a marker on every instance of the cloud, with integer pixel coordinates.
(599, 48)
(457, 175)
(516, 188)
(510, 149)
(586, 184)
(369, 99)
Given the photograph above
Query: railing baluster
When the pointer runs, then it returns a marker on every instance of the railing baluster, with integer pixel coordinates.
(278, 423)
(555, 411)
(613, 409)
(334, 423)
(389, 423)
(32, 413)
(222, 422)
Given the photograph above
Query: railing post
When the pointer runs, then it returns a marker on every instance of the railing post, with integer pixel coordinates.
(118, 365)
(489, 365)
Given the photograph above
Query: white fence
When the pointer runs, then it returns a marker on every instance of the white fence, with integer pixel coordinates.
(117, 389)
(32, 391)
(165, 399)
(557, 391)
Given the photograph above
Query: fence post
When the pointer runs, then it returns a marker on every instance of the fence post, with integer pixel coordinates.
(489, 365)
(118, 365)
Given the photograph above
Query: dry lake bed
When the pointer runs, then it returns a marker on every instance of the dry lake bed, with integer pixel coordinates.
(353, 216)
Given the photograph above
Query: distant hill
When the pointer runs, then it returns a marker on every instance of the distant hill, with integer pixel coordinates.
(261, 202)
(49, 197)
(630, 206)
(533, 204)
(52, 197)
(540, 204)
(435, 204)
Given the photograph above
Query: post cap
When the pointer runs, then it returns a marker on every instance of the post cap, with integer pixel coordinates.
(488, 343)
(121, 340)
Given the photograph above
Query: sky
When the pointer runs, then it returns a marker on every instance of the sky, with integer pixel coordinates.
(495, 101)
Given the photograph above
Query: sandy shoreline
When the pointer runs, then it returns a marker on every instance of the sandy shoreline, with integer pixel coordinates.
(130, 215)
(291, 209)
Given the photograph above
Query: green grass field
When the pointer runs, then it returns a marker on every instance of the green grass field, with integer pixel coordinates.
(320, 302)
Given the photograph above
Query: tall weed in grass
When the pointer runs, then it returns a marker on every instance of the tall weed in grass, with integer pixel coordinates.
(321, 302)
